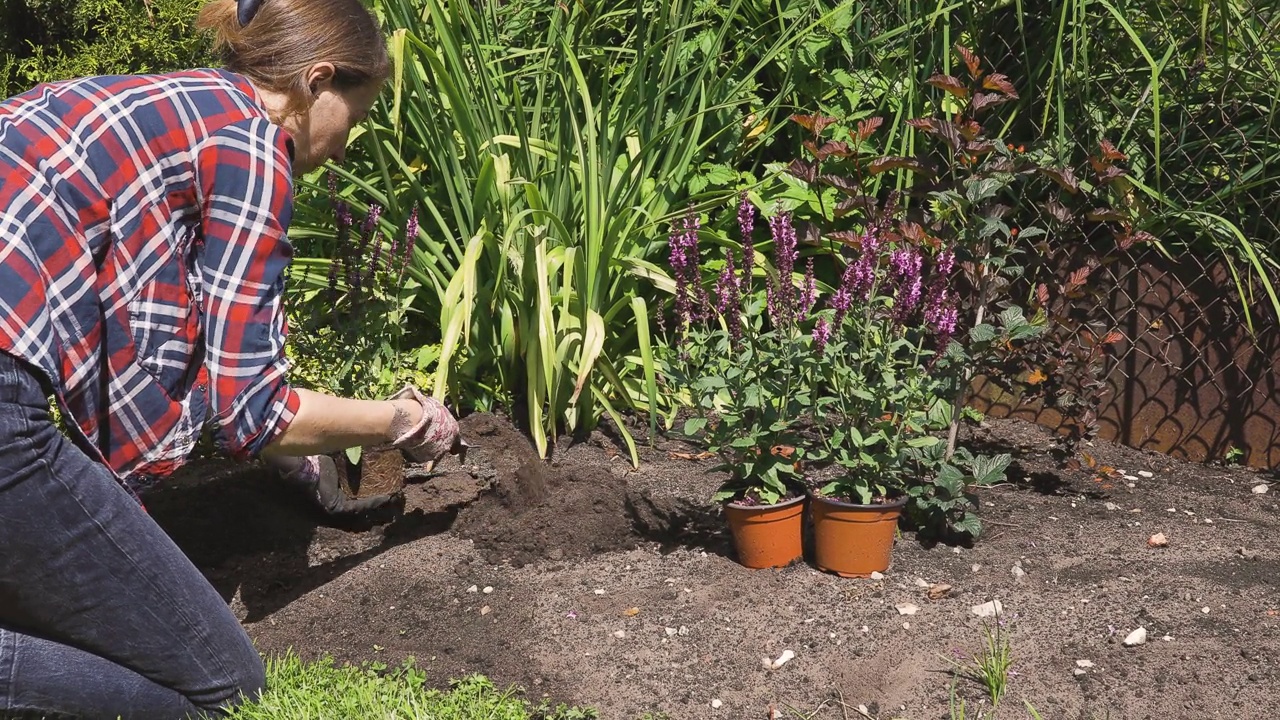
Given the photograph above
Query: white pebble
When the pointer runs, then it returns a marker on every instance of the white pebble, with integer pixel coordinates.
(976, 567)
(1260, 489)
(921, 582)
(619, 634)
(487, 590)
(672, 631)
(599, 591)
(715, 703)
(1137, 637)
(906, 626)
(473, 588)
(907, 608)
(877, 575)
(988, 609)
(1084, 663)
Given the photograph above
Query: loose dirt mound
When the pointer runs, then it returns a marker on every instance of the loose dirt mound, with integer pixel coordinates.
(540, 511)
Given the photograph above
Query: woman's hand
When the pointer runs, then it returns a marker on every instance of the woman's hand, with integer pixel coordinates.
(317, 475)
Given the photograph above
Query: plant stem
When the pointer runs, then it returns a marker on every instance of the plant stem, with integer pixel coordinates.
(962, 392)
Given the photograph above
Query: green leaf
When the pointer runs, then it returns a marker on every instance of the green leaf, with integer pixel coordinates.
(988, 470)
(982, 333)
(923, 441)
(353, 454)
(970, 524)
(693, 426)
(951, 480)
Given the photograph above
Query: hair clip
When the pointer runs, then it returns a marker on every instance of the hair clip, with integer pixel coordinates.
(246, 9)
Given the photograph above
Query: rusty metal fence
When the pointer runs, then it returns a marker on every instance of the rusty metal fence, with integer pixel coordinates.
(1192, 99)
(1189, 92)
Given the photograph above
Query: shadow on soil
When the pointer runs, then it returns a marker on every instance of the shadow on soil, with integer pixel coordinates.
(247, 532)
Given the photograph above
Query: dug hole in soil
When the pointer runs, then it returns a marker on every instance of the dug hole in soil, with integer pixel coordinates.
(587, 582)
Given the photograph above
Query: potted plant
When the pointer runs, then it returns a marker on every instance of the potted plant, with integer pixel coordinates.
(878, 398)
(743, 356)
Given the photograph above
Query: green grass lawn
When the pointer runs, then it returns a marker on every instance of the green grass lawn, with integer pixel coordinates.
(320, 690)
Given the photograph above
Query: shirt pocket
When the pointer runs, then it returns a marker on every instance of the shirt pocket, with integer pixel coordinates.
(165, 323)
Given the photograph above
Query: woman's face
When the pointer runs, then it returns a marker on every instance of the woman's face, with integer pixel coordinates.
(321, 134)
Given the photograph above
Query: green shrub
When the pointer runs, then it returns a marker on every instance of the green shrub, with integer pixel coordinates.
(45, 40)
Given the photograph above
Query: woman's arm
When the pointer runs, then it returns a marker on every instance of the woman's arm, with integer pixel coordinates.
(324, 424)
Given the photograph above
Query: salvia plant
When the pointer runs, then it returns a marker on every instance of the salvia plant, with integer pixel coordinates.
(358, 315)
(745, 355)
(1000, 223)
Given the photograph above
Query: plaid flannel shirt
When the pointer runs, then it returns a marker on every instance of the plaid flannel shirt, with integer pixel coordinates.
(142, 256)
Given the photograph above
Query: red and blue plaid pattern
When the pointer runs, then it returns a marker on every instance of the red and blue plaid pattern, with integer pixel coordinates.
(142, 256)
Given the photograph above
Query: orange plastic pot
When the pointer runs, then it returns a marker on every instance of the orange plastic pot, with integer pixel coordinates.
(854, 540)
(767, 536)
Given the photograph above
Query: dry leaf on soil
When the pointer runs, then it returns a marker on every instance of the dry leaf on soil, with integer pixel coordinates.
(939, 591)
(631, 612)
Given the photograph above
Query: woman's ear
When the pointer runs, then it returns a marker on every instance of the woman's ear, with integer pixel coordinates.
(320, 76)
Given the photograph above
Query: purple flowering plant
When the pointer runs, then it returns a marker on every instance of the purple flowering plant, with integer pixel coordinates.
(744, 353)
(970, 248)
(358, 312)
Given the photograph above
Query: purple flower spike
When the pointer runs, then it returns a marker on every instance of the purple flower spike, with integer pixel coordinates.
(821, 335)
(729, 299)
(746, 223)
(410, 238)
(344, 215)
(746, 217)
(843, 297)
(810, 289)
(864, 271)
(683, 247)
(905, 264)
(784, 251)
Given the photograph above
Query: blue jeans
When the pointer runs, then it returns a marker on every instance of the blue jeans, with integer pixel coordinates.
(101, 615)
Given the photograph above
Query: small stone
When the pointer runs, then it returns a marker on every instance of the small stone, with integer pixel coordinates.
(921, 582)
(783, 659)
(862, 709)
(1130, 477)
(987, 609)
(1111, 506)
(1205, 609)
(939, 591)
(619, 634)
(865, 629)
(1084, 663)
(1167, 638)
(1079, 671)
(1247, 554)
(486, 610)
(682, 631)
(1137, 637)
(599, 591)
(488, 589)
(907, 608)
(877, 575)
(1017, 572)
(1157, 541)
(715, 703)
(1207, 520)
(906, 626)
(1145, 474)
(1260, 489)
(976, 567)
(472, 589)
(956, 549)
(672, 631)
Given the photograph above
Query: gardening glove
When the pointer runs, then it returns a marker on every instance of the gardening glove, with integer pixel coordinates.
(317, 475)
(432, 437)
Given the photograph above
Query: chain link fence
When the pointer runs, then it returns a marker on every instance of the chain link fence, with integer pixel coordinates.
(1188, 92)
(1191, 99)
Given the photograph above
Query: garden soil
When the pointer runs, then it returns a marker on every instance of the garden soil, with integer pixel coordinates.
(584, 581)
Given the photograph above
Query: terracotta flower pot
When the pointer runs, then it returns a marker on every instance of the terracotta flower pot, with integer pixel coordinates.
(853, 540)
(767, 536)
